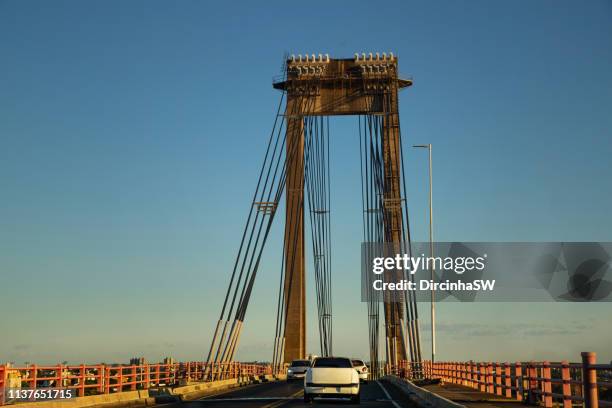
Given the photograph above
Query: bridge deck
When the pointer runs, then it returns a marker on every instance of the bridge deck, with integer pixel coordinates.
(281, 394)
(471, 397)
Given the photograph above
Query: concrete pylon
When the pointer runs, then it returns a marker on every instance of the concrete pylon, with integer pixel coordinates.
(295, 289)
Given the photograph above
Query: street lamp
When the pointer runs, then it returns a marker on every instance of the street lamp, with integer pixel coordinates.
(431, 251)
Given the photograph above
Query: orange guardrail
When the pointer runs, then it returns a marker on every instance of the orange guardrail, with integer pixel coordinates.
(537, 383)
(2, 383)
(106, 379)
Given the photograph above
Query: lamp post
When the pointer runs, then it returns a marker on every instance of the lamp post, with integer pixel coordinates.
(431, 251)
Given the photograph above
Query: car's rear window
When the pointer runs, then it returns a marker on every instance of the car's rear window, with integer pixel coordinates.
(332, 362)
(357, 363)
(300, 363)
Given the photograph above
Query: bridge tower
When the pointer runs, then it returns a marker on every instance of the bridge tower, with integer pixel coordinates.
(316, 87)
(320, 86)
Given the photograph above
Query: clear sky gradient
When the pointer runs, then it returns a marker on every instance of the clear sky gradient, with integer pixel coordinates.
(131, 134)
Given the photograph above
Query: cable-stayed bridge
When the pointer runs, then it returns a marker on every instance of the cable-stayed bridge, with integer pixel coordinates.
(296, 169)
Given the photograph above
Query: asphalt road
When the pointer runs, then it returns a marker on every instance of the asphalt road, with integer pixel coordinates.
(283, 394)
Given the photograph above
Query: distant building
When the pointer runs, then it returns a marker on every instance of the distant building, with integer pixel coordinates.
(138, 361)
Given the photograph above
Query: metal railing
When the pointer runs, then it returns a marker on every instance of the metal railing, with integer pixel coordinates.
(538, 383)
(106, 379)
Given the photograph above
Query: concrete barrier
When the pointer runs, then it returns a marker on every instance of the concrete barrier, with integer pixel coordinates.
(198, 390)
(188, 392)
(206, 386)
(421, 396)
(120, 398)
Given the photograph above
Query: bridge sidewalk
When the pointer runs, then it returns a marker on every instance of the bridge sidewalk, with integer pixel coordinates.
(471, 397)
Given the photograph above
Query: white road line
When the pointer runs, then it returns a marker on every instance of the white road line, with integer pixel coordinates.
(395, 404)
(250, 399)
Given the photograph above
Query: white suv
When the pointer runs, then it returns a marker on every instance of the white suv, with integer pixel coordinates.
(362, 370)
(297, 369)
(331, 377)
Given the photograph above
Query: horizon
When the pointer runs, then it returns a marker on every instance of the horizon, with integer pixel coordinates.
(131, 134)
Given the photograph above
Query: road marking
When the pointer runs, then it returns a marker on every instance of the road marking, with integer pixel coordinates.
(290, 398)
(284, 401)
(395, 404)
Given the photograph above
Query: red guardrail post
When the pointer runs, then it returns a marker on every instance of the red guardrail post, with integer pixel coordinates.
(507, 380)
(485, 377)
(133, 380)
(589, 380)
(547, 385)
(470, 372)
(518, 380)
(107, 379)
(2, 382)
(532, 379)
(81, 380)
(100, 377)
(531, 382)
(459, 372)
(498, 379)
(567, 385)
(58, 373)
(120, 388)
(34, 376)
(490, 387)
(147, 376)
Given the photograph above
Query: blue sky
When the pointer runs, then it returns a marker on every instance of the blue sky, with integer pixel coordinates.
(131, 134)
